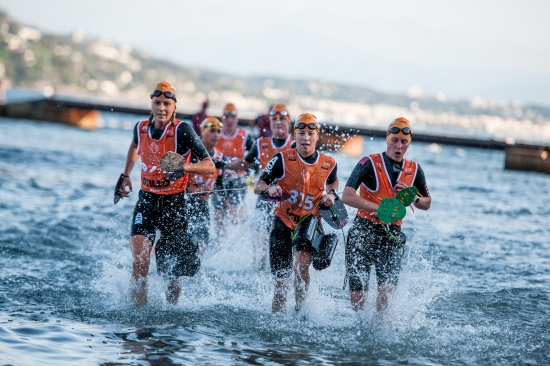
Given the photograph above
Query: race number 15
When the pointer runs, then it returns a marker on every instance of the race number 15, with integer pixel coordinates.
(306, 201)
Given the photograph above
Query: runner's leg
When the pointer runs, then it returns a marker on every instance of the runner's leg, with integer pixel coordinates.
(302, 260)
(141, 252)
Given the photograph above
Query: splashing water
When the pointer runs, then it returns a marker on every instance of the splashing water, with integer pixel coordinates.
(473, 289)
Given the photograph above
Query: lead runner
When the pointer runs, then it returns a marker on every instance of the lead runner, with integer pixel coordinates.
(161, 203)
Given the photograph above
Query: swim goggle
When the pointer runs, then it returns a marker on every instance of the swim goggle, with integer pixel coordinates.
(167, 94)
(232, 114)
(394, 130)
(302, 125)
(212, 124)
(282, 113)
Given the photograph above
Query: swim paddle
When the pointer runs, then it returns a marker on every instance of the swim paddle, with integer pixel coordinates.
(171, 164)
(407, 195)
(118, 191)
(390, 210)
(336, 216)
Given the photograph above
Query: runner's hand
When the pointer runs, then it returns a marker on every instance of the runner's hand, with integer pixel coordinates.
(274, 191)
(327, 200)
(126, 187)
(399, 186)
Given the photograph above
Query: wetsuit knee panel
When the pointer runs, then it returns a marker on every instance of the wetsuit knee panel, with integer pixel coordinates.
(357, 283)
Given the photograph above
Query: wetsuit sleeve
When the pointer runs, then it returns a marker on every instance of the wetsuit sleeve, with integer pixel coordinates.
(194, 159)
(218, 186)
(252, 154)
(362, 173)
(420, 182)
(249, 142)
(293, 145)
(188, 140)
(332, 177)
(135, 138)
(274, 169)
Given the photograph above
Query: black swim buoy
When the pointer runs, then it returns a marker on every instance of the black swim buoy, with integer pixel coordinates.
(336, 216)
(323, 256)
(308, 234)
(402, 238)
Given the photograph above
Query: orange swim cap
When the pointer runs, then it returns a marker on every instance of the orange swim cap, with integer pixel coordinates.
(281, 110)
(307, 118)
(165, 88)
(401, 127)
(210, 122)
(229, 107)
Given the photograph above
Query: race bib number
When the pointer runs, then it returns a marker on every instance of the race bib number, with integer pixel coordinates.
(303, 201)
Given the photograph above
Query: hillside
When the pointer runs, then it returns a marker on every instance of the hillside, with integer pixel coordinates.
(77, 64)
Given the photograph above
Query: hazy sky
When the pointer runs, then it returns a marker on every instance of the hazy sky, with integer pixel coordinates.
(496, 49)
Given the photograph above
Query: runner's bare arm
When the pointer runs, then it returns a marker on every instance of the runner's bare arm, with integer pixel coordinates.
(260, 186)
(205, 166)
(131, 159)
(423, 203)
(273, 191)
(352, 199)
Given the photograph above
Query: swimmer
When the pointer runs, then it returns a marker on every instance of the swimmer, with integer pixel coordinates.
(234, 144)
(202, 186)
(305, 174)
(161, 203)
(261, 152)
(380, 176)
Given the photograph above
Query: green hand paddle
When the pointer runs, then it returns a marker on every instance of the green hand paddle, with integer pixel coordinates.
(390, 210)
(407, 195)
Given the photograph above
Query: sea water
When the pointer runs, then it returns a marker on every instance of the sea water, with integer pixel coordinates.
(474, 289)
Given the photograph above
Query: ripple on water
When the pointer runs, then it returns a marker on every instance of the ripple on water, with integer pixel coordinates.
(41, 344)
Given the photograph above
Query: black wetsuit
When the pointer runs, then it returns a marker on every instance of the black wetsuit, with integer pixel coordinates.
(280, 241)
(369, 244)
(176, 254)
(198, 211)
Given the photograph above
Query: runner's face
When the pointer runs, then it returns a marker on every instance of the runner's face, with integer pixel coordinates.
(163, 108)
(397, 147)
(211, 137)
(229, 123)
(279, 127)
(305, 141)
